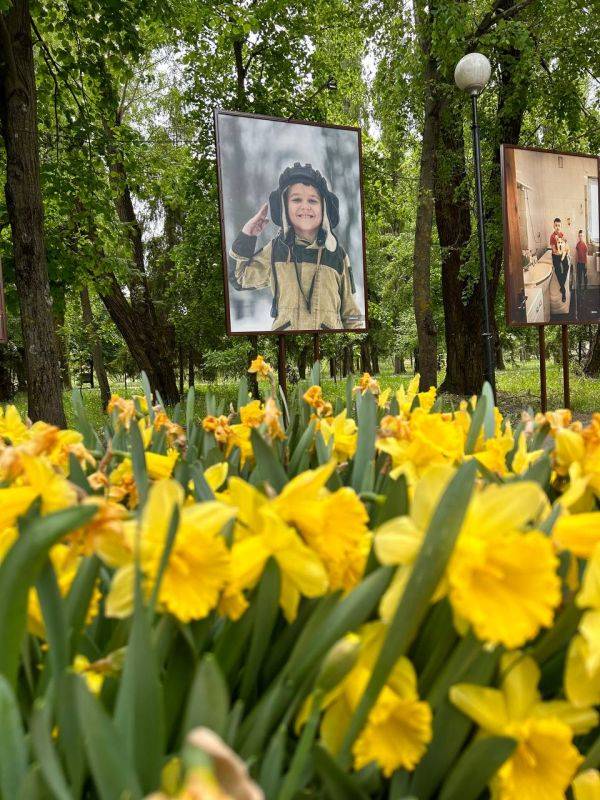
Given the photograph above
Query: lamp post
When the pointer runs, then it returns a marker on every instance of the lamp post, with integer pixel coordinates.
(472, 74)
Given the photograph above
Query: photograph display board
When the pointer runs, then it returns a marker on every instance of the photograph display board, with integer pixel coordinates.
(551, 237)
(292, 225)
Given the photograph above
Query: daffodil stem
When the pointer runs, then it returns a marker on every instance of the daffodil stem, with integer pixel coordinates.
(292, 780)
(592, 759)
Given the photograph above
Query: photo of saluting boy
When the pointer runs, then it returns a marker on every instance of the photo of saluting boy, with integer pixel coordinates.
(292, 225)
(304, 265)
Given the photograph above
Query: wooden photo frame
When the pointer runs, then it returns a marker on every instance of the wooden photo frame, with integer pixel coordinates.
(550, 205)
(292, 225)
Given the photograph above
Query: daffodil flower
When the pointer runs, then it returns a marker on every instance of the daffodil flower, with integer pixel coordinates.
(198, 567)
(502, 577)
(545, 759)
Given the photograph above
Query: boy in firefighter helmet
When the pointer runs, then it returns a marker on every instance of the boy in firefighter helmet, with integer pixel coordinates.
(306, 268)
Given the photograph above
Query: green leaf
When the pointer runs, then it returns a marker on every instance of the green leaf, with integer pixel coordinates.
(267, 609)
(43, 747)
(138, 459)
(476, 422)
(111, 766)
(208, 702)
(271, 769)
(268, 468)
(189, 410)
(349, 396)
(365, 448)
(242, 399)
(79, 596)
(489, 420)
(476, 766)
(451, 729)
(315, 374)
(70, 743)
(293, 780)
(139, 709)
(77, 475)
(427, 572)
(301, 449)
(19, 571)
(202, 491)
(13, 749)
(338, 784)
(90, 438)
(148, 394)
(53, 614)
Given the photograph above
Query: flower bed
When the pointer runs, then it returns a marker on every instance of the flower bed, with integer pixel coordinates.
(380, 600)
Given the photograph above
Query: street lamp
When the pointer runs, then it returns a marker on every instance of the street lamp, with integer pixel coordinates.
(471, 75)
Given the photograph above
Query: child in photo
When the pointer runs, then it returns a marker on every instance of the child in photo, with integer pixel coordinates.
(305, 266)
(581, 249)
(560, 251)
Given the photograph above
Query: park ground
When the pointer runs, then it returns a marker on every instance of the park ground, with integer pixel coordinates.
(518, 389)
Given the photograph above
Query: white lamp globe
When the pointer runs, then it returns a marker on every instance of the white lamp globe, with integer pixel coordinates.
(472, 73)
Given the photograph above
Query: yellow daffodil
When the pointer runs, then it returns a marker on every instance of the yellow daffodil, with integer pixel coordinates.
(334, 524)
(586, 786)
(429, 439)
(160, 466)
(579, 533)
(12, 429)
(302, 572)
(122, 484)
(502, 577)
(582, 671)
(545, 759)
(219, 426)
(126, 409)
(272, 420)
(384, 398)
(524, 458)
(345, 435)
(93, 678)
(252, 414)
(398, 728)
(199, 563)
(239, 436)
(367, 383)
(65, 562)
(260, 367)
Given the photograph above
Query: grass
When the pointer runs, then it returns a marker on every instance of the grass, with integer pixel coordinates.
(518, 388)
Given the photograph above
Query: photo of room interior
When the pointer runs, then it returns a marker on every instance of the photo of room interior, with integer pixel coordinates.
(552, 238)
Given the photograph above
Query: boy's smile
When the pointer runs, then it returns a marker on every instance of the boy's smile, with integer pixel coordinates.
(305, 209)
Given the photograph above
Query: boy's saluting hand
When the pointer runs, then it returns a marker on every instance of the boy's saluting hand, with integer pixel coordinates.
(256, 224)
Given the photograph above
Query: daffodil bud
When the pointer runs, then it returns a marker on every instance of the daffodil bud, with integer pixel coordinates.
(338, 662)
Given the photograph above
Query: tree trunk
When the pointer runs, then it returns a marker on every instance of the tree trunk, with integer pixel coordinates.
(302, 358)
(95, 345)
(348, 361)
(191, 368)
(58, 315)
(151, 327)
(426, 328)
(180, 370)
(399, 368)
(6, 381)
(24, 205)
(365, 356)
(333, 369)
(463, 319)
(592, 364)
(375, 359)
(500, 365)
(252, 379)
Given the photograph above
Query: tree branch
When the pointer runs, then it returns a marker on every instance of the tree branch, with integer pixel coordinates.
(497, 14)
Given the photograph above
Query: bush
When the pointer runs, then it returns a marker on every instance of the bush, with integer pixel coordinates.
(379, 600)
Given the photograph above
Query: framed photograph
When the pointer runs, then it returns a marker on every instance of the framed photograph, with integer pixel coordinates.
(551, 236)
(292, 225)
